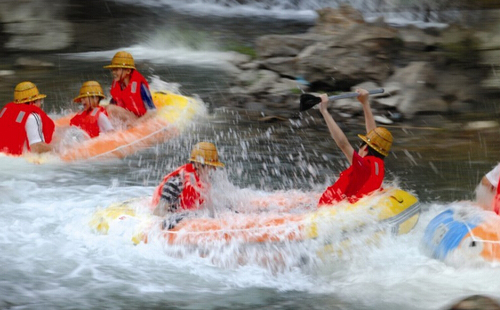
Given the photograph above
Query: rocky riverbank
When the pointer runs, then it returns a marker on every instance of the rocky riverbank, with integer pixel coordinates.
(476, 302)
(433, 70)
(48, 26)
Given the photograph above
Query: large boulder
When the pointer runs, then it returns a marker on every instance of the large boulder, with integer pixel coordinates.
(417, 82)
(476, 302)
(431, 70)
(361, 53)
(489, 50)
(285, 45)
(334, 21)
(35, 25)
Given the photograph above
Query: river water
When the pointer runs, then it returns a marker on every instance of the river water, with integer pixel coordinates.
(52, 259)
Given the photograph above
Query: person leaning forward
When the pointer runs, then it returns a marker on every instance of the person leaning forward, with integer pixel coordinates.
(24, 126)
(366, 171)
(186, 187)
(130, 94)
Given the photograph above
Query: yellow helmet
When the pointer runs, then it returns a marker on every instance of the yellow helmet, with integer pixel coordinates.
(205, 153)
(379, 139)
(26, 92)
(121, 60)
(89, 89)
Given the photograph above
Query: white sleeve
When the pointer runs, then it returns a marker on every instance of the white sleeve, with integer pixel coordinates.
(494, 175)
(104, 123)
(34, 129)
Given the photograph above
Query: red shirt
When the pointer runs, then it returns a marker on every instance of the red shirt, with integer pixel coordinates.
(364, 176)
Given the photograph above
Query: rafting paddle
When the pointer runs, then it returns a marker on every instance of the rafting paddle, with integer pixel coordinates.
(308, 101)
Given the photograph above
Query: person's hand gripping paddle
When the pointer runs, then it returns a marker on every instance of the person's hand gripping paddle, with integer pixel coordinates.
(308, 101)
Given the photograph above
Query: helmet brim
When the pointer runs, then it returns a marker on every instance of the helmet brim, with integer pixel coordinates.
(39, 96)
(79, 98)
(119, 66)
(373, 146)
(215, 164)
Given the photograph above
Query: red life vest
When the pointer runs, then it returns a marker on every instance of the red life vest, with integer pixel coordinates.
(496, 201)
(88, 120)
(190, 198)
(352, 185)
(13, 119)
(130, 97)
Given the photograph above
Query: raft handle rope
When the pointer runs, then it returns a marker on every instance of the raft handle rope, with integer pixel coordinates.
(474, 239)
(131, 143)
(135, 141)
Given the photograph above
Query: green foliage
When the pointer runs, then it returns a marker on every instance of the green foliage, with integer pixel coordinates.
(242, 49)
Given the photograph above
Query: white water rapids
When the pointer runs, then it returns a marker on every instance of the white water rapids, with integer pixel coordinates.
(53, 260)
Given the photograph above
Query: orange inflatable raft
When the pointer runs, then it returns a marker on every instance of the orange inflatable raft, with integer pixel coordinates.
(173, 113)
(392, 209)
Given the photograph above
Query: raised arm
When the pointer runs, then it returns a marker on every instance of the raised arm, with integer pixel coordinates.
(369, 120)
(335, 131)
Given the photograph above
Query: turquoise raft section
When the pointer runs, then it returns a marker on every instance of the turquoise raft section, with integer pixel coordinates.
(445, 232)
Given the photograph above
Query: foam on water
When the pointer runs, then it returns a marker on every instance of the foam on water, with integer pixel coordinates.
(396, 13)
(204, 58)
(395, 271)
(50, 252)
(302, 9)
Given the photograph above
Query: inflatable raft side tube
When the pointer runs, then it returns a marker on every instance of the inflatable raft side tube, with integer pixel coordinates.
(484, 239)
(170, 109)
(444, 234)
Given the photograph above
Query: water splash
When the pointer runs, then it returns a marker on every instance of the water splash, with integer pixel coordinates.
(398, 13)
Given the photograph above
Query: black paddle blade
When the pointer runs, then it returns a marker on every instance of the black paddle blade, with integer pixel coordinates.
(308, 101)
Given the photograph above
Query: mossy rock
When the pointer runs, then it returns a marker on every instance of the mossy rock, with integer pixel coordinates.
(242, 49)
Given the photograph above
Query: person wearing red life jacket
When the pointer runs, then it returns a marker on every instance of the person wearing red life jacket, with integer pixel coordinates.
(186, 188)
(24, 126)
(366, 172)
(496, 202)
(130, 95)
(93, 119)
(488, 192)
